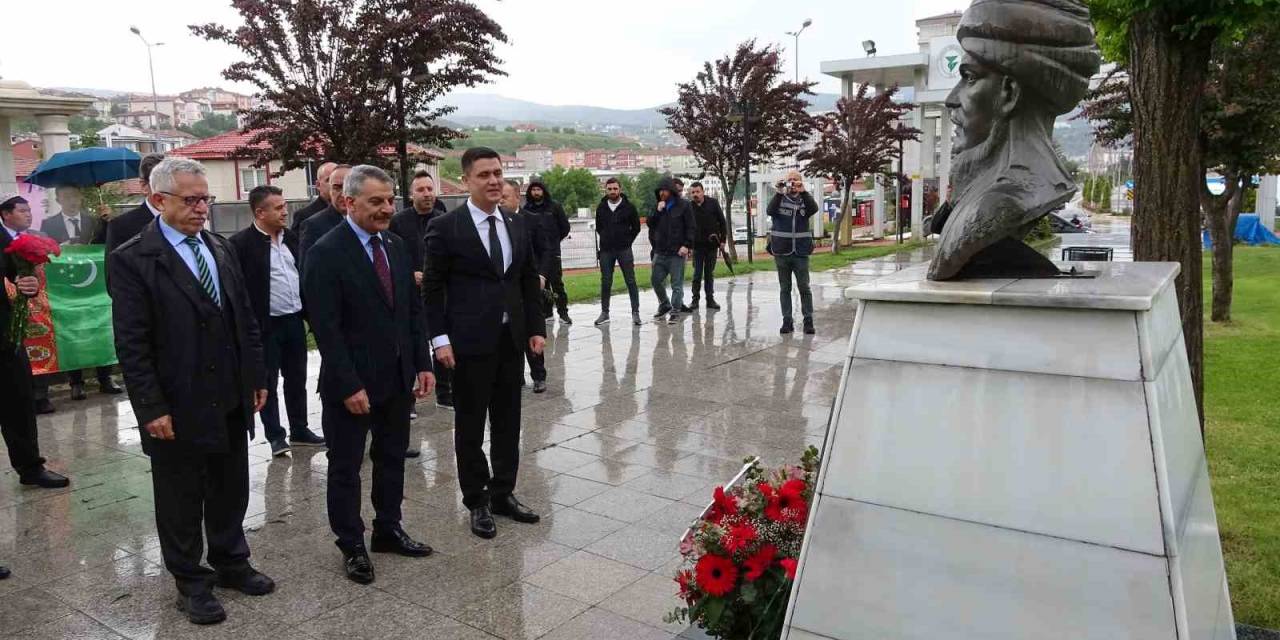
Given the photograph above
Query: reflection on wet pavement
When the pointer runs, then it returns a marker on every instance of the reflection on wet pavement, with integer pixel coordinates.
(637, 428)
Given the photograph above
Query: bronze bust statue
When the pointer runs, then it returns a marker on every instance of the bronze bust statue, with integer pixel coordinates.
(1025, 63)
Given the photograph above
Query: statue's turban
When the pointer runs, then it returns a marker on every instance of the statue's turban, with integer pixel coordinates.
(1046, 45)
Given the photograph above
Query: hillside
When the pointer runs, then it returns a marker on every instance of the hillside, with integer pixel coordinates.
(507, 142)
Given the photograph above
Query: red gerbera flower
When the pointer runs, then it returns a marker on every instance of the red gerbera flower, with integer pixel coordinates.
(738, 537)
(685, 580)
(787, 503)
(789, 565)
(723, 505)
(759, 562)
(716, 574)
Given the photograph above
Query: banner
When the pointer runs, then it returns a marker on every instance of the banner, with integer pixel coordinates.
(70, 322)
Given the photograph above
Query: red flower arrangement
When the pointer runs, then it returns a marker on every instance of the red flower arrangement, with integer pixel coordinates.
(27, 252)
(740, 556)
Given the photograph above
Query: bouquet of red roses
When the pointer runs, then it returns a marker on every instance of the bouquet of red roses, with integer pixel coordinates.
(27, 252)
(741, 555)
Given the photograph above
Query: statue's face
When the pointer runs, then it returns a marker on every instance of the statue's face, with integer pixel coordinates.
(979, 100)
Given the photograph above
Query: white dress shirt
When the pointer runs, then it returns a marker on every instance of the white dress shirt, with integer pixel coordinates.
(284, 295)
(613, 206)
(155, 213)
(481, 220)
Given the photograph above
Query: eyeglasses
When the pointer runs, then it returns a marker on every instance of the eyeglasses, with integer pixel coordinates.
(192, 201)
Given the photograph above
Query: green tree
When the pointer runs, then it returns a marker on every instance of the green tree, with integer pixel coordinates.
(88, 140)
(212, 125)
(1166, 46)
(83, 125)
(572, 188)
(451, 169)
(643, 195)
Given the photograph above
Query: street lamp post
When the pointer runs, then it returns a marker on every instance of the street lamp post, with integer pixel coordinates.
(155, 98)
(796, 34)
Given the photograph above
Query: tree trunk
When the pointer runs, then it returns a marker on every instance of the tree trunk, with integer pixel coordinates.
(730, 187)
(1220, 214)
(1167, 75)
(843, 221)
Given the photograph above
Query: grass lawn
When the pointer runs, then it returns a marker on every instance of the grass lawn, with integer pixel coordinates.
(582, 287)
(1242, 374)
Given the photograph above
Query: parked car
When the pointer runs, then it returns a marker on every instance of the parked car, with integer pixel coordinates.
(740, 235)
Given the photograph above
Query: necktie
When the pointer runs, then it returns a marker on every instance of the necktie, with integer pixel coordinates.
(382, 268)
(75, 223)
(202, 269)
(495, 245)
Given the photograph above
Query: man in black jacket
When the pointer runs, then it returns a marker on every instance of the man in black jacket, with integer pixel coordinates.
(321, 223)
(131, 223)
(267, 250)
(481, 290)
(555, 228)
(671, 235)
(321, 201)
(17, 410)
(410, 224)
(617, 225)
(510, 205)
(710, 231)
(189, 346)
(367, 316)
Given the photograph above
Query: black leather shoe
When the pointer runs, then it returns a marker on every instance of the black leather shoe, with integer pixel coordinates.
(808, 326)
(564, 317)
(787, 327)
(202, 608)
(77, 392)
(511, 508)
(694, 300)
(306, 438)
(4, 572)
(110, 387)
(358, 566)
(398, 542)
(711, 304)
(412, 453)
(482, 523)
(43, 406)
(663, 309)
(684, 308)
(539, 386)
(44, 479)
(248, 582)
(444, 401)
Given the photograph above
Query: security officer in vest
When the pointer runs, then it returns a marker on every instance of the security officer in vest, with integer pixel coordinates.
(791, 242)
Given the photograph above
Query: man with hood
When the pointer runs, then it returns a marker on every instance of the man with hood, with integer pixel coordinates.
(1024, 64)
(671, 236)
(791, 243)
(617, 225)
(510, 203)
(554, 223)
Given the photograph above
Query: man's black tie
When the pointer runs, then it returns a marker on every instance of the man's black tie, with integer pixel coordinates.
(75, 224)
(495, 245)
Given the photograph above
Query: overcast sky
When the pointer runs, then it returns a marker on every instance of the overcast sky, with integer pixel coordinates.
(607, 53)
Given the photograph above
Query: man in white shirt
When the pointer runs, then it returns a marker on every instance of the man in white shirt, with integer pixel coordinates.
(268, 251)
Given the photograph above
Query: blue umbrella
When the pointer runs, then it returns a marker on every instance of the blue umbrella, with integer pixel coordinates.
(86, 167)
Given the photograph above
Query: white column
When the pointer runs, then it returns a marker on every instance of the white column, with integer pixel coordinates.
(944, 173)
(930, 138)
(1267, 202)
(55, 137)
(8, 182)
(877, 211)
(917, 174)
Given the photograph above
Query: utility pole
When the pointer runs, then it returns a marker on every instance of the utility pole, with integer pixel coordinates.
(155, 98)
(796, 34)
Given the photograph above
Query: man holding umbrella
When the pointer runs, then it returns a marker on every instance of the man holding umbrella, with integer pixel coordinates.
(72, 226)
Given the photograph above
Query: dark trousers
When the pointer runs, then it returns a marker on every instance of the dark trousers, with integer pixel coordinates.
(537, 364)
(797, 266)
(704, 266)
(284, 346)
(75, 377)
(555, 282)
(487, 386)
(17, 411)
(209, 489)
(345, 432)
(444, 379)
(627, 262)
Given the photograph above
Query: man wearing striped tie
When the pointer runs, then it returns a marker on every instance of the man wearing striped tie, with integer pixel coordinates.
(188, 343)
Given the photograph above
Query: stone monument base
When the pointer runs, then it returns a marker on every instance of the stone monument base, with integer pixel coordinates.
(1014, 459)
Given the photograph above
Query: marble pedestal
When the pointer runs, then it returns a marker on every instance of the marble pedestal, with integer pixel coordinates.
(1014, 459)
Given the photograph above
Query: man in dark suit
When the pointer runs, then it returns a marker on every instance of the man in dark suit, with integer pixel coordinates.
(190, 350)
(17, 409)
(482, 301)
(72, 226)
(131, 222)
(321, 201)
(411, 225)
(321, 223)
(366, 313)
(266, 250)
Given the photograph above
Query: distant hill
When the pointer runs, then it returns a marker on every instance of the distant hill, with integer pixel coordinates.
(482, 109)
(508, 142)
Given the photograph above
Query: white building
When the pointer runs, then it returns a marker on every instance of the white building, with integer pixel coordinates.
(536, 157)
(144, 142)
(931, 73)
